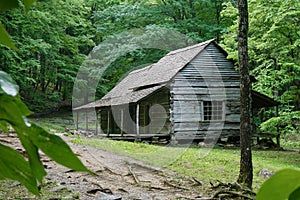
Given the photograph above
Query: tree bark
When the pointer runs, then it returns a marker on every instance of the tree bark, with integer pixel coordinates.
(191, 4)
(246, 169)
(218, 7)
(276, 94)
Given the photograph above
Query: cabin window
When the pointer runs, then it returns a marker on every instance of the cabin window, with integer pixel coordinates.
(213, 110)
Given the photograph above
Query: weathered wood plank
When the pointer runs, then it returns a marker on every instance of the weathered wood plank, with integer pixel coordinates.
(198, 98)
(188, 117)
(199, 90)
(200, 135)
(198, 126)
(232, 117)
(209, 77)
(197, 83)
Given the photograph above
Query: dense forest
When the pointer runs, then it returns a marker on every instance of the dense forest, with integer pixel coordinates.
(55, 37)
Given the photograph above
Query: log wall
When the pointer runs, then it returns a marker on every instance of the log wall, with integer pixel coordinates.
(208, 77)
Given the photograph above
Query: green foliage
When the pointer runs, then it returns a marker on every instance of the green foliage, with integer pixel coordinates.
(53, 39)
(290, 141)
(13, 166)
(6, 5)
(274, 52)
(285, 184)
(197, 19)
(285, 123)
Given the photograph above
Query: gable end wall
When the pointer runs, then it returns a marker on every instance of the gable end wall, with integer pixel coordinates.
(208, 77)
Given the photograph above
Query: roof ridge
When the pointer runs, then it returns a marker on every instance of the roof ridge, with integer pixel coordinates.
(205, 43)
(141, 69)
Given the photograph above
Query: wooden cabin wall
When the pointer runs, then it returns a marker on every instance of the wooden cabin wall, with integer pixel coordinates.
(112, 122)
(207, 78)
(104, 112)
(119, 120)
(159, 122)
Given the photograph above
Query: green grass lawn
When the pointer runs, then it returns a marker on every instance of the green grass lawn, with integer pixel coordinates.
(201, 163)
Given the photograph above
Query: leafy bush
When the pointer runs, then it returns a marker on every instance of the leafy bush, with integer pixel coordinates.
(286, 123)
(42, 102)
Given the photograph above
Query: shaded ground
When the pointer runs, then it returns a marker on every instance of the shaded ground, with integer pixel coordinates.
(116, 177)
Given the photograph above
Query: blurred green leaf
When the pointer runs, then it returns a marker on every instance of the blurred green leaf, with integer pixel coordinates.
(33, 138)
(54, 147)
(13, 111)
(7, 84)
(36, 165)
(295, 195)
(14, 166)
(3, 126)
(5, 39)
(280, 186)
(8, 4)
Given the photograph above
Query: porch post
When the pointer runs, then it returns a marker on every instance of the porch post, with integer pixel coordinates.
(137, 120)
(277, 127)
(108, 122)
(122, 121)
(86, 121)
(77, 119)
(97, 114)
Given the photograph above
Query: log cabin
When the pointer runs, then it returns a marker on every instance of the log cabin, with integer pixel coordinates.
(192, 93)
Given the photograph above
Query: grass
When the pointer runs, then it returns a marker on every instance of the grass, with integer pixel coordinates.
(55, 124)
(290, 141)
(201, 163)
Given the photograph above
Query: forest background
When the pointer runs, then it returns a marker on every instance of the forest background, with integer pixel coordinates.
(55, 37)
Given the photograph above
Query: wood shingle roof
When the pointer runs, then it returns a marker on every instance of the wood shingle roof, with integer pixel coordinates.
(142, 82)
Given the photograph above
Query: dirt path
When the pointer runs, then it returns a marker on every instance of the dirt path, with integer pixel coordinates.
(118, 177)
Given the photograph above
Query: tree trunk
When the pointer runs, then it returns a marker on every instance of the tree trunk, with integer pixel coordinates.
(218, 7)
(276, 94)
(191, 4)
(246, 169)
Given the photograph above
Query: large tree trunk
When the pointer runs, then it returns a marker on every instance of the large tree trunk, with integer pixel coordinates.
(246, 168)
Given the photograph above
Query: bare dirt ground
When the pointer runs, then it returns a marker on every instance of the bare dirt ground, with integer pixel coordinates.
(117, 176)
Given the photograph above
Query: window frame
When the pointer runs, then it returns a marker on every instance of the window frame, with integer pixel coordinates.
(212, 111)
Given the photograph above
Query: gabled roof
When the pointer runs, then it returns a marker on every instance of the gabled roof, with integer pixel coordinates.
(142, 82)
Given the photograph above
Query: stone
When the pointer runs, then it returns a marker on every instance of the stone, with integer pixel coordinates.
(68, 197)
(58, 188)
(265, 173)
(103, 196)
